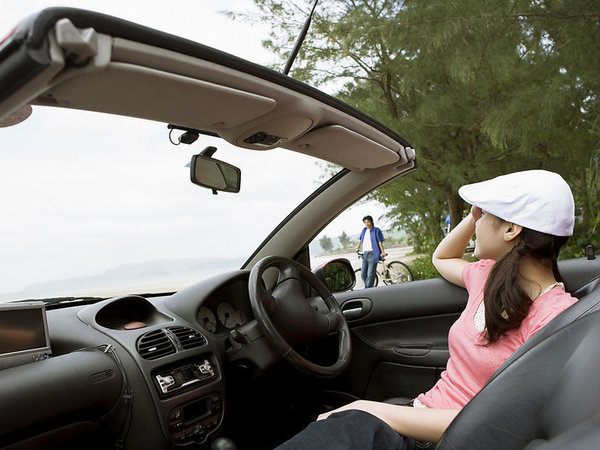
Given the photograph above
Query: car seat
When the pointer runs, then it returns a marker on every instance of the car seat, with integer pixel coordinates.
(546, 397)
(588, 303)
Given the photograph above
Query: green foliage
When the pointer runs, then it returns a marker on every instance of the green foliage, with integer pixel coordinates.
(338, 276)
(423, 269)
(345, 240)
(479, 88)
(326, 243)
(575, 247)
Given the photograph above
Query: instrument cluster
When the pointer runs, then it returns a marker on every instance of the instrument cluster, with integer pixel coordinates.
(226, 308)
(223, 315)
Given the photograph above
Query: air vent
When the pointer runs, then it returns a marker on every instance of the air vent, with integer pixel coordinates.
(155, 344)
(187, 337)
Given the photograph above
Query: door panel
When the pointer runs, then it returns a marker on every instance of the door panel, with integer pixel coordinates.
(400, 332)
(400, 336)
(396, 380)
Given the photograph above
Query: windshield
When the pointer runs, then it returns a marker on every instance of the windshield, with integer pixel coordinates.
(100, 205)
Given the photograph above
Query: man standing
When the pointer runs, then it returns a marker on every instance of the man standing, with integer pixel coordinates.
(371, 239)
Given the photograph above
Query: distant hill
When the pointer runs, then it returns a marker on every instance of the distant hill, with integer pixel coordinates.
(163, 275)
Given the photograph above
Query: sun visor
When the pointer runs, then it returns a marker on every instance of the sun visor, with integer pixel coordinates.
(359, 152)
(142, 92)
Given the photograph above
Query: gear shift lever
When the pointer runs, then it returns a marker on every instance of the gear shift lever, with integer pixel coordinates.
(223, 443)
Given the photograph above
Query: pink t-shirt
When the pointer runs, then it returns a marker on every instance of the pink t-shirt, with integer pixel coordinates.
(472, 364)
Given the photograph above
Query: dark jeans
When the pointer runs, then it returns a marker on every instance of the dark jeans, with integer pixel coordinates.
(348, 430)
(367, 271)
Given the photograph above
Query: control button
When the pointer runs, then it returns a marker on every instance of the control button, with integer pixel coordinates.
(238, 337)
(196, 436)
(181, 437)
(175, 425)
(205, 368)
(165, 382)
(176, 414)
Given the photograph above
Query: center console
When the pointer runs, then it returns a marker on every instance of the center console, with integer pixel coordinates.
(189, 421)
(180, 366)
(193, 421)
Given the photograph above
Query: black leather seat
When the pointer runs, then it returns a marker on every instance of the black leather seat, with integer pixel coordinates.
(545, 396)
(589, 302)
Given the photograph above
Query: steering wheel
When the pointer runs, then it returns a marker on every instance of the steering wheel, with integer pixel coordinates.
(286, 317)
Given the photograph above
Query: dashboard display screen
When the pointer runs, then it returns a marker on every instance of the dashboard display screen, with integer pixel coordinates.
(22, 329)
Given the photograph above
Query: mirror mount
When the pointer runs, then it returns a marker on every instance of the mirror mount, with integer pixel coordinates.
(208, 151)
(189, 136)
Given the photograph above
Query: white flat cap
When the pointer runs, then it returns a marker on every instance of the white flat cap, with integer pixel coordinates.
(535, 199)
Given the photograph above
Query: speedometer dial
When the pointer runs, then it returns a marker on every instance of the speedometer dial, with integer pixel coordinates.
(207, 319)
(228, 316)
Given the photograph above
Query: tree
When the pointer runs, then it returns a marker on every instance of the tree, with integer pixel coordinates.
(479, 87)
(345, 240)
(326, 243)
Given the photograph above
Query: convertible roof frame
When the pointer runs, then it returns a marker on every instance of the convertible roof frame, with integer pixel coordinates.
(290, 113)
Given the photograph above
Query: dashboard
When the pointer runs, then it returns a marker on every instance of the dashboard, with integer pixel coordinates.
(152, 368)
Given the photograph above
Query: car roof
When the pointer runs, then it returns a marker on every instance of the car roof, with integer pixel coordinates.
(79, 59)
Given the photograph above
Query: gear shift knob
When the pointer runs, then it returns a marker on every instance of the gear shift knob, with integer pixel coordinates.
(223, 443)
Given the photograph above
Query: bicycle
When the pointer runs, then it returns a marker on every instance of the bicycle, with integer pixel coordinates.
(392, 273)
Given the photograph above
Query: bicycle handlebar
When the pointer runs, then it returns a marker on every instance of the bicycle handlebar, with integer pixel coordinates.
(360, 255)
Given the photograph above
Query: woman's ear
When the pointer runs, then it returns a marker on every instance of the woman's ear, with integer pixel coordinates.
(512, 231)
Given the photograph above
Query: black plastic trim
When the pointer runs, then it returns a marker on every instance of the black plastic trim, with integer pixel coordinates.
(21, 59)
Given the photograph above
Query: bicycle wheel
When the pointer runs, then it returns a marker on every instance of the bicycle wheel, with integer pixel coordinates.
(360, 284)
(397, 272)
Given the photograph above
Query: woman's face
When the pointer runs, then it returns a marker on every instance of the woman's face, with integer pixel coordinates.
(489, 237)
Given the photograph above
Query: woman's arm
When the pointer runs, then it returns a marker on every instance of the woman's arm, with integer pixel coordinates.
(423, 424)
(448, 256)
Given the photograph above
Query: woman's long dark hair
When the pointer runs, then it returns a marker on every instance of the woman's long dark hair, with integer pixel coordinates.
(506, 303)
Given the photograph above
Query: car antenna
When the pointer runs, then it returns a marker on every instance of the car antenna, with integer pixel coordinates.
(299, 41)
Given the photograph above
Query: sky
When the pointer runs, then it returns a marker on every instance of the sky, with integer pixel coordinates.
(198, 20)
(33, 257)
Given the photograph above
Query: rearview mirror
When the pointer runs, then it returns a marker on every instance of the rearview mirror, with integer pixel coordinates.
(214, 174)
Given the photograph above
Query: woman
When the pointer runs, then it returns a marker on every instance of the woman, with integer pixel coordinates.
(520, 221)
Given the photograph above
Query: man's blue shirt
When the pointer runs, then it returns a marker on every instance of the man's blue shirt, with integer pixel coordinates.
(376, 238)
